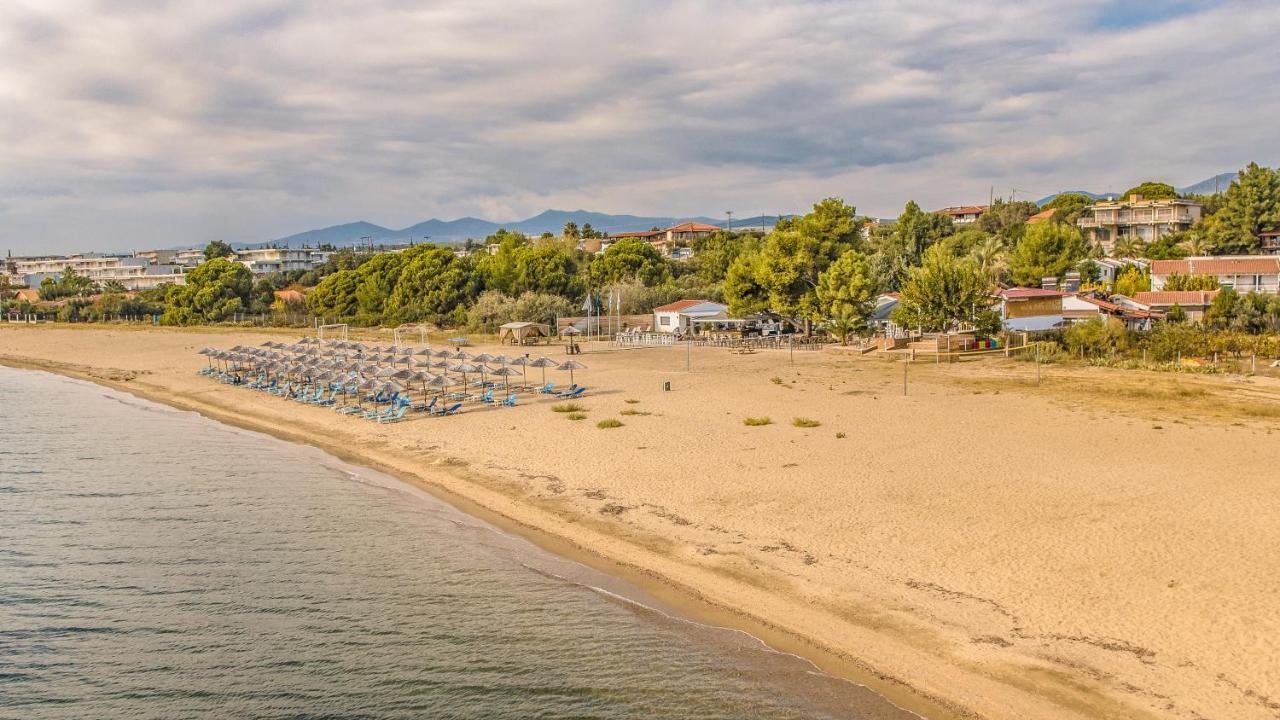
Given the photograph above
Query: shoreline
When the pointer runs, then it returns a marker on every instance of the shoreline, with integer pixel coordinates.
(677, 600)
(983, 547)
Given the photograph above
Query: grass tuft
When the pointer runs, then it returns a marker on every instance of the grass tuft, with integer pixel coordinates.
(609, 423)
(631, 401)
(756, 421)
(805, 422)
(577, 416)
(631, 411)
(567, 408)
(841, 436)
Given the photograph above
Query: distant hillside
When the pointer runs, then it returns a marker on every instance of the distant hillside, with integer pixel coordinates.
(1217, 183)
(454, 231)
(1209, 186)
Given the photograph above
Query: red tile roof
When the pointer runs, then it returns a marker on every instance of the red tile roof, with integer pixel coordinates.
(1042, 216)
(1024, 293)
(692, 227)
(678, 305)
(1248, 265)
(635, 234)
(1185, 298)
(963, 210)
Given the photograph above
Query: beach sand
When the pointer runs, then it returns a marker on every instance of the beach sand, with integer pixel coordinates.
(1103, 544)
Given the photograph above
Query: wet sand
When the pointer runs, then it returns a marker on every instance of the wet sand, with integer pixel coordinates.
(979, 547)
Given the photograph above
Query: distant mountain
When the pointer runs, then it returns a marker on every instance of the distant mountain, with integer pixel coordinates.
(452, 231)
(1217, 183)
(345, 234)
(1096, 196)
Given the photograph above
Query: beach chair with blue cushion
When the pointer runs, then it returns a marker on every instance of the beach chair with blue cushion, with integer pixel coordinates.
(510, 400)
(396, 416)
(451, 410)
(548, 389)
(573, 393)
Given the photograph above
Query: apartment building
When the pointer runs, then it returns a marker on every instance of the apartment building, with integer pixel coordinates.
(1243, 273)
(132, 272)
(264, 261)
(1147, 220)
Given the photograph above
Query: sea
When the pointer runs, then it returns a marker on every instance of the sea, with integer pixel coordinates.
(158, 564)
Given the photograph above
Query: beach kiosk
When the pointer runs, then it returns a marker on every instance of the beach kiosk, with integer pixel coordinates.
(523, 333)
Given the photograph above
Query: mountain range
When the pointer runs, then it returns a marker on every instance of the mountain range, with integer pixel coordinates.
(452, 231)
(553, 221)
(1208, 186)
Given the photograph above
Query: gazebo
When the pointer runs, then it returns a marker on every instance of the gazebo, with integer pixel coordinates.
(521, 332)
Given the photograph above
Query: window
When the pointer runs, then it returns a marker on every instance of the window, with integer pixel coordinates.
(665, 320)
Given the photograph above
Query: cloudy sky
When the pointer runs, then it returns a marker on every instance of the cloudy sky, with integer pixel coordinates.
(139, 123)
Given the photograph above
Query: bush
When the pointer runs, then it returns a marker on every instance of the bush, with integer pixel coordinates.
(805, 422)
(756, 421)
(609, 423)
(567, 408)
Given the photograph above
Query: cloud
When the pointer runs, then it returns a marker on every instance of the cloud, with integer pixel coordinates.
(157, 124)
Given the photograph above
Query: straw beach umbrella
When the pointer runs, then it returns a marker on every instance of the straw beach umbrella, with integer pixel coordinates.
(572, 365)
(504, 372)
(544, 363)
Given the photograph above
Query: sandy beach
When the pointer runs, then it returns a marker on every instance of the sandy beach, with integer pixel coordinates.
(1103, 544)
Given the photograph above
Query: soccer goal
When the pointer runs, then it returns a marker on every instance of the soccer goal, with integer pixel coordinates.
(336, 330)
(406, 331)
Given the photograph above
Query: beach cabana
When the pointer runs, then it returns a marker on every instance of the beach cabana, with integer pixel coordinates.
(520, 333)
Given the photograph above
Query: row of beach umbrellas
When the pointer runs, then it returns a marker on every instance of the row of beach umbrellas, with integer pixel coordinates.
(350, 360)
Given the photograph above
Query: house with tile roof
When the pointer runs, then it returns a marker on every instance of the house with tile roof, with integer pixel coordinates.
(1193, 302)
(683, 315)
(963, 214)
(1030, 309)
(1242, 273)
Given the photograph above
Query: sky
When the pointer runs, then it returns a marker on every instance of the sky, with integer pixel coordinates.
(132, 124)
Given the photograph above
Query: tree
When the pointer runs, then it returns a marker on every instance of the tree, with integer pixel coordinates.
(546, 268)
(991, 257)
(1006, 218)
(743, 292)
(1070, 207)
(1169, 246)
(1131, 281)
(571, 230)
(631, 258)
(846, 293)
(214, 291)
(1046, 250)
(1176, 314)
(1152, 190)
(434, 284)
(1128, 246)
(943, 292)
(217, 249)
(1178, 281)
(335, 296)
(1250, 206)
(915, 230)
(714, 253)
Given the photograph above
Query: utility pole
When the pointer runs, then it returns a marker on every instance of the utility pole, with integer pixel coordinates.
(729, 213)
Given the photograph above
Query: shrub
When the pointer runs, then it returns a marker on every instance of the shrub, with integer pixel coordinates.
(609, 423)
(567, 408)
(805, 422)
(756, 421)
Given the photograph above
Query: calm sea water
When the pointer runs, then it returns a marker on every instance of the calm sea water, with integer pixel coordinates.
(155, 564)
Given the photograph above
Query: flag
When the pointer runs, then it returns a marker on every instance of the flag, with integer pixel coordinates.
(586, 303)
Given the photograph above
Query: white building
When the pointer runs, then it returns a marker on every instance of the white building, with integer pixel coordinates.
(683, 315)
(1242, 273)
(134, 273)
(264, 261)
